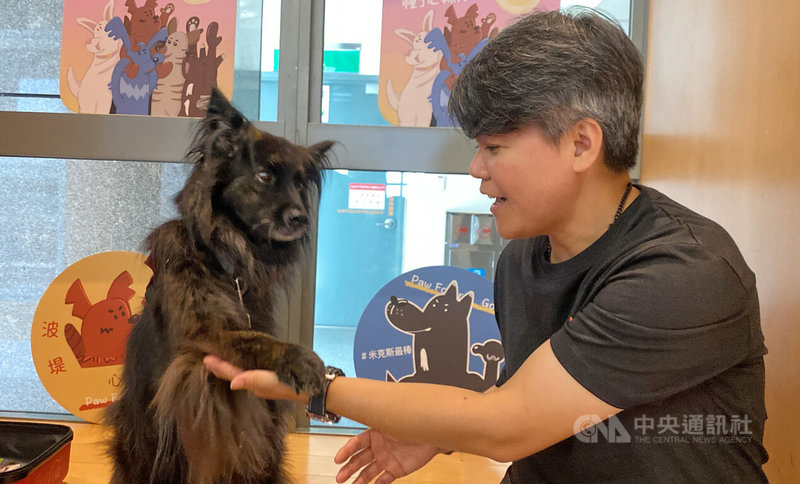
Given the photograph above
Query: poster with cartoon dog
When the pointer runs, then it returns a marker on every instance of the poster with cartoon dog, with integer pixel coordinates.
(431, 325)
(424, 46)
(80, 330)
(147, 57)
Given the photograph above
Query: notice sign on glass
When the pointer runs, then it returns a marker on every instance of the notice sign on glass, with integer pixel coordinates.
(367, 196)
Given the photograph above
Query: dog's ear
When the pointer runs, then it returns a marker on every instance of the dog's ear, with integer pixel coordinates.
(87, 24)
(450, 13)
(406, 35)
(466, 299)
(108, 11)
(172, 26)
(472, 12)
(320, 152)
(224, 127)
(452, 291)
(120, 288)
(220, 109)
(427, 22)
(319, 161)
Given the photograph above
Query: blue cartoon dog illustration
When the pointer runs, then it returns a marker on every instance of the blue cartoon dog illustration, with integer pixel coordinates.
(441, 341)
(131, 94)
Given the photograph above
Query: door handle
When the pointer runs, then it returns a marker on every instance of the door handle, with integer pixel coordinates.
(388, 223)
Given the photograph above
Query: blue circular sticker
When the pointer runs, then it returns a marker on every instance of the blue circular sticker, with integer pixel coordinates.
(431, 325)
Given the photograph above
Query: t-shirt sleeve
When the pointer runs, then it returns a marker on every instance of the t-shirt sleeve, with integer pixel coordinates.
(502, 378)
(668, 320)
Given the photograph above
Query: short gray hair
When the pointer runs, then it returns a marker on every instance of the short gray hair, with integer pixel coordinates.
(552, 69)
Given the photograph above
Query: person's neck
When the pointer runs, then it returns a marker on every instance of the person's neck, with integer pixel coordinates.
(592, 214)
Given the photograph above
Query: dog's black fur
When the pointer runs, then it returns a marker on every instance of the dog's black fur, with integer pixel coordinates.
(244, 221)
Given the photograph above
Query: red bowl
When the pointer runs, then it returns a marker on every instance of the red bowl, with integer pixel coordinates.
(39, 453)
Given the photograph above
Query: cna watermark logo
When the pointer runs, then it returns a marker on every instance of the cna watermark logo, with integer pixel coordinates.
(667, 429)
(591, 428)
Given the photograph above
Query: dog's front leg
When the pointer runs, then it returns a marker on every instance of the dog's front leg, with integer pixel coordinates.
(295, 365)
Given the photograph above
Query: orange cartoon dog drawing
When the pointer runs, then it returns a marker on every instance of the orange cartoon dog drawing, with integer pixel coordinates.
(106, 324)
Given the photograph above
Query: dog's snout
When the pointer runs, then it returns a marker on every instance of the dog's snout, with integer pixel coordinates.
(295, 217)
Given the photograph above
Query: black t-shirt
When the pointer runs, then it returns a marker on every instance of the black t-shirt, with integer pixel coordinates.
(658, 317)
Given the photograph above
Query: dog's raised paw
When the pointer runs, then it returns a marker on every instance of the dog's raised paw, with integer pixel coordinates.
(301, 369)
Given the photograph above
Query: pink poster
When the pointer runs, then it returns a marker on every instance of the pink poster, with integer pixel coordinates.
(148, 57)
(426, 43)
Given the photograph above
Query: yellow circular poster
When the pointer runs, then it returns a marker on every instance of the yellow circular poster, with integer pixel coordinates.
(81, 327)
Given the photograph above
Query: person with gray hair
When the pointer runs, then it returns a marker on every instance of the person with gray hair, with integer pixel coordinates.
(553, 70)
(630, 324)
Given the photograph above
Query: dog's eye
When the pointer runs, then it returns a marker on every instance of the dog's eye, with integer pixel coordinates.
(265, 177)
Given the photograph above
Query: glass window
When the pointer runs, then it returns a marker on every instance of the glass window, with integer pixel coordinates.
(30, 35)
(374, 226)
(351, 62)
(354, 90)
(57, 212)
(270, 49)
(616, 9)
(31, 43)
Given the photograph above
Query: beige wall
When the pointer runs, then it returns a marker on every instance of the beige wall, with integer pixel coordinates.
(722, 135)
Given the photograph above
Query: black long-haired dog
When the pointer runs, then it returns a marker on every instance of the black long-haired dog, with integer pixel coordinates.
(244, 223)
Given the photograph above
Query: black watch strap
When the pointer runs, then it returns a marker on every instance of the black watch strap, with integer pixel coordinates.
(316, 403)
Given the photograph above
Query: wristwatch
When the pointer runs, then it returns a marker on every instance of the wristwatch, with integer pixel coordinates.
(316, 403)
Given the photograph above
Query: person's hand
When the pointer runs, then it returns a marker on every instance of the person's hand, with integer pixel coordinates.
(262, 383)
(375, 453)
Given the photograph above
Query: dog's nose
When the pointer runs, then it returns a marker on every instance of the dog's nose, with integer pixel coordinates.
(295, 217)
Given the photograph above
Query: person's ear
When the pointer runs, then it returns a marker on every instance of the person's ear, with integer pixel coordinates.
(586, 144)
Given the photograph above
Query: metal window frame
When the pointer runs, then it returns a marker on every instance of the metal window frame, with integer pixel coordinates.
(105, 137)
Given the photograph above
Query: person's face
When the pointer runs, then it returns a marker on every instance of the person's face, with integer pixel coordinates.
(527, 176)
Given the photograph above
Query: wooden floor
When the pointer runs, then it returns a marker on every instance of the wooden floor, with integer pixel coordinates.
(310, 461)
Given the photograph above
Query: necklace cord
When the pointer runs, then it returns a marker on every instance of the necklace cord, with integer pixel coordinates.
(622, 203)
(620, 208)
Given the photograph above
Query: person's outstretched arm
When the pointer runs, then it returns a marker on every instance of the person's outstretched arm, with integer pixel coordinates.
(533, 410)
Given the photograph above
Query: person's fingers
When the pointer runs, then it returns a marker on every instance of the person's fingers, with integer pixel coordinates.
(353, 445)
(265, 384)
(358, 461)
(221, 369)
(369, 473)
(254, 380)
